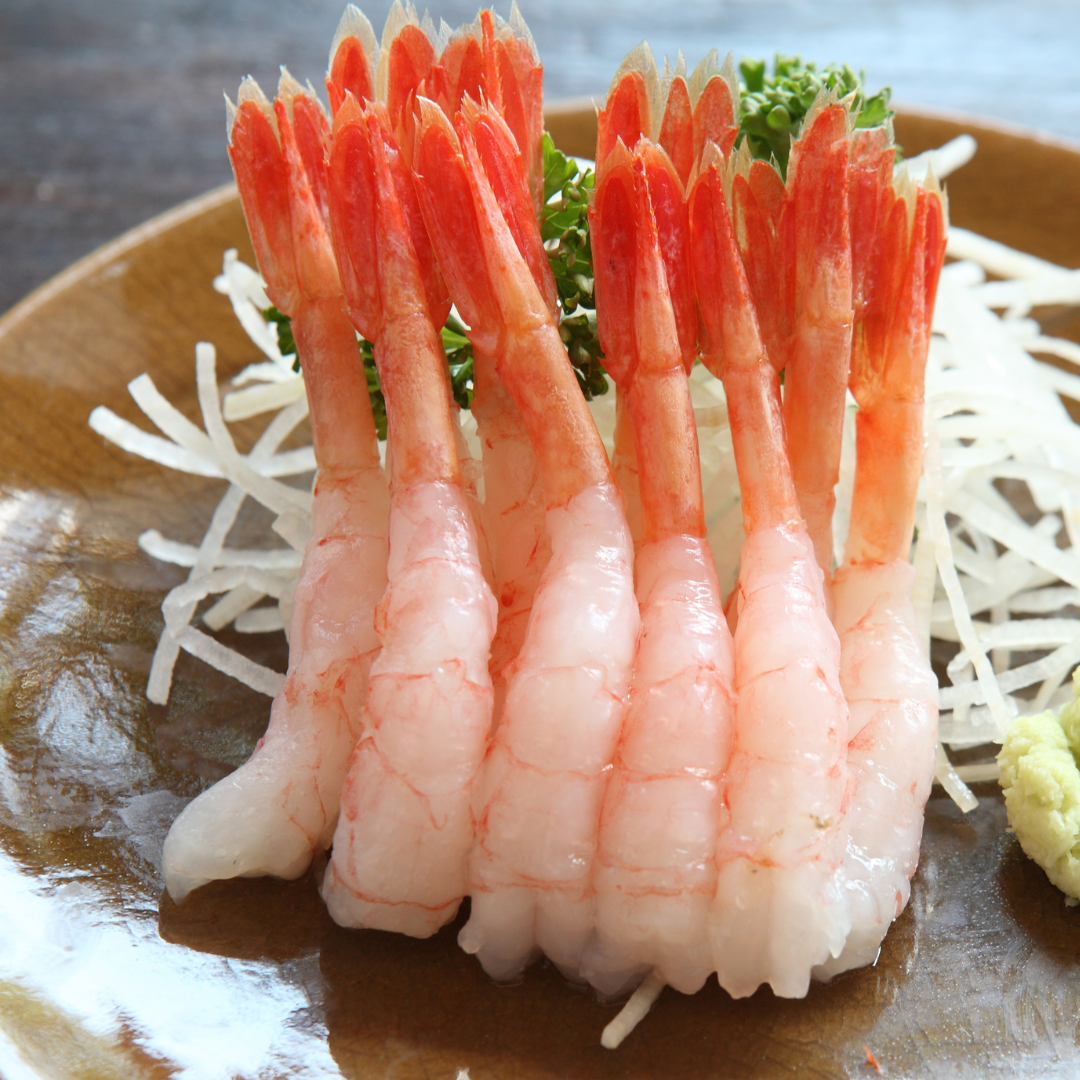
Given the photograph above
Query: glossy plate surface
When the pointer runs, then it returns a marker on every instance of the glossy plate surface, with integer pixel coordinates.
(102, 976)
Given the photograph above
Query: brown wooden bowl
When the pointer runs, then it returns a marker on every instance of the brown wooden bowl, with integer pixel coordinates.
(980, 976)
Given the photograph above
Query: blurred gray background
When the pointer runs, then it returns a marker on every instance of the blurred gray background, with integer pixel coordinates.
(111, 110)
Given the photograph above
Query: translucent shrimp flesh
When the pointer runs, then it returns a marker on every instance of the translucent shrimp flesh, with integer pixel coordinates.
(538, 802)
(779, 907)
(406, 821)
(898, 233)
(275, 811)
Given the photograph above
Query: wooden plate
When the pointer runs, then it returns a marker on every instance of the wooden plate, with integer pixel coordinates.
(101, 975)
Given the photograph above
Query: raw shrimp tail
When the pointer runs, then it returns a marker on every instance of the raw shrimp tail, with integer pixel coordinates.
(496, 61)
(637, 323)
(538, 803)
(494, 286)
(354, 54)
(870, 173)
(655, 868)
(627, 112)
(262, 179)
(779, 909)
(681, 115)
(408, 54)
(275, 811)
(406, 823)
(814, 229)
(734, 350)
(343, 429)
(757, 196)
(888, 369)
(355, 229)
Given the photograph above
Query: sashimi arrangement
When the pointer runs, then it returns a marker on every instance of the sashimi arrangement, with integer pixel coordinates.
(642, 672)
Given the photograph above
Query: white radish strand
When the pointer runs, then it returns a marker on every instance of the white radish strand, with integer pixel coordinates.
(997, 258)
(172, 551)
(244, 287)
(941, 162)
(633, 1012)
(261, 398)
(206, 558)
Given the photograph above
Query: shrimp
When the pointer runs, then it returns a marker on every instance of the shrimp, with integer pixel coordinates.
(898, 234)
(796, 243)
(655, 870)
(680, 115)
(275, 811)
(538, 803)
(779, 908)
(497, 61)
(406, 824)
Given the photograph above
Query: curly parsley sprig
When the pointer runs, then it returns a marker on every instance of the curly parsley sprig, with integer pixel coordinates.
(564, 228)
(773, 107)
(459, 358)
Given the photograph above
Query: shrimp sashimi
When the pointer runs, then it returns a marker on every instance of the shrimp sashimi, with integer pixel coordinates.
(497, 61)
(406, 824)
(538, 804)
(899, 235)
(796, 243)
(513, 512)
(655, 871)
(275, 811)
(779, 908)
(679, 114)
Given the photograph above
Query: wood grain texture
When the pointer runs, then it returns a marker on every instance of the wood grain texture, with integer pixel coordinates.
(979, 977)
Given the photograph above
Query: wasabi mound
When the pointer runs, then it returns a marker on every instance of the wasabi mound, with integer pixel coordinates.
(1041, 782)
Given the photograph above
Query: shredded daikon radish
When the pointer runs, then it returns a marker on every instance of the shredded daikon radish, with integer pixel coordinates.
(980, 772)
(634, 1011)
(261, 620)
(264, 397)
(997, 258)
(232, 605)
(246, 290)
(170, 551)
(216, 455)
(942, 161)
(997, 578)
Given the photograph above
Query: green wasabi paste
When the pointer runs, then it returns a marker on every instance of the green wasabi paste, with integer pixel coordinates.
(1041, 781)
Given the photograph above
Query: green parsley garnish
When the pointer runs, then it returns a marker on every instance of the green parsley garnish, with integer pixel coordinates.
(773, 107)
(374, 387)
(459, 357)
(564, 228)
(284, 333)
